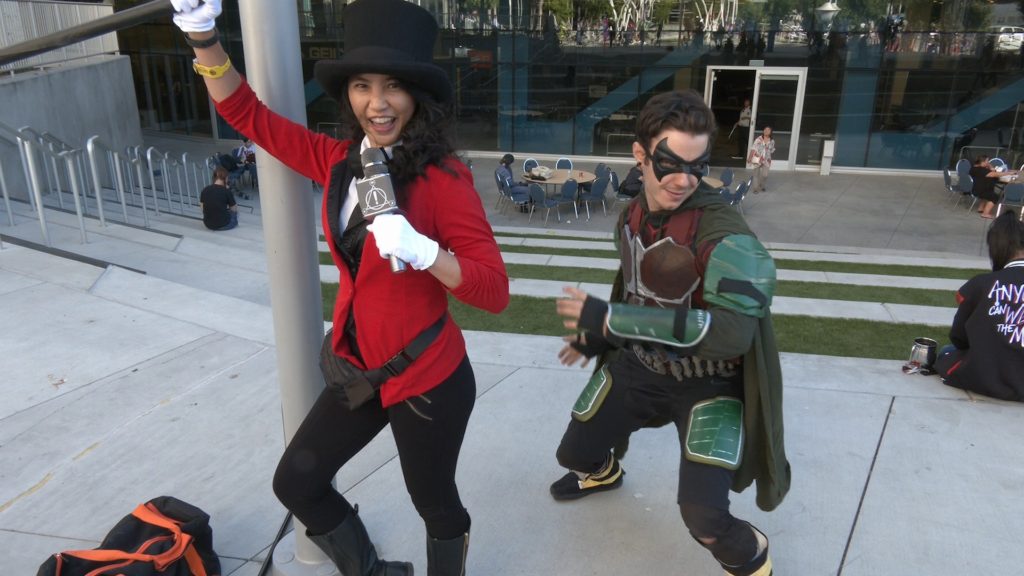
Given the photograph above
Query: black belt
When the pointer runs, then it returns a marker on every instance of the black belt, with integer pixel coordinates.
(399, 362)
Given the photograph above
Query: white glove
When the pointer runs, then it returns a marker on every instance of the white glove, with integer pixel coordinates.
(195, 16)
(395, 236)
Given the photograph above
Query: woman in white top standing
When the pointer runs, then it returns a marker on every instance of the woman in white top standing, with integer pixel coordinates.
(743, 132)
(761, 157)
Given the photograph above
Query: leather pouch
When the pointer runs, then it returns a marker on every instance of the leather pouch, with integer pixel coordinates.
(346, 381)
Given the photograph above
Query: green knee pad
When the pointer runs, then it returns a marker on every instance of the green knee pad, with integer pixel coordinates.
(593, 395)
(714, 434)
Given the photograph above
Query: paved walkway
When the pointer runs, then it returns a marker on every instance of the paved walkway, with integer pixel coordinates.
(119, 387)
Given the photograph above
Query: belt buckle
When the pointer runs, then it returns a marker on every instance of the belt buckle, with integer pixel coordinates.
(391, 366)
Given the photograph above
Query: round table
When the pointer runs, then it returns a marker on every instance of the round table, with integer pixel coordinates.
(713, 182)
(560, 176)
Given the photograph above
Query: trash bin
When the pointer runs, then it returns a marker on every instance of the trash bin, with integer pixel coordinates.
(828, 150)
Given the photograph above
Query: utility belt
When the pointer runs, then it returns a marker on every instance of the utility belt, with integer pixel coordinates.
(659, 360)
(354, 387)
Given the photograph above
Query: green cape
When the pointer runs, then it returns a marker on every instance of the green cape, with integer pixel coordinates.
(764, 453)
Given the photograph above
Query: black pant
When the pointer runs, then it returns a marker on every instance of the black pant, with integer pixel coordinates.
(638, 395)
(428, 431)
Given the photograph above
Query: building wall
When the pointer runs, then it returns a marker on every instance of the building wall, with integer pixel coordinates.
(73, 102)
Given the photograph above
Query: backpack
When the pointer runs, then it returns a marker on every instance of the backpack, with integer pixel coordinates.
(228, 162)
(164, 537)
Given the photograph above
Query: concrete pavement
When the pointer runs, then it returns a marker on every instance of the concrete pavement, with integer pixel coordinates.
(120, 387)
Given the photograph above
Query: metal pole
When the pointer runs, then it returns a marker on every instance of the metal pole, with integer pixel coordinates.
(70, 159)
(121, 19)
(93, 148)
(36, 184)
(288, 223)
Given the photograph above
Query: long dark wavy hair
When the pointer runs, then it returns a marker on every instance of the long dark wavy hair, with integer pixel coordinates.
(428, 138)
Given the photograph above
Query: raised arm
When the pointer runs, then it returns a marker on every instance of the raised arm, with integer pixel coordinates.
(198, 21)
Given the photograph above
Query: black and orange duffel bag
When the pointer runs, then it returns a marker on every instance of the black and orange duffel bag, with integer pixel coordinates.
(164, 537)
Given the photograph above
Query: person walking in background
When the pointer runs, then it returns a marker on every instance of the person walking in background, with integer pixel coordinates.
(413, 374)
(686, 338)
(742, 128)
(987, 351)
(761, 158)
(218, 203)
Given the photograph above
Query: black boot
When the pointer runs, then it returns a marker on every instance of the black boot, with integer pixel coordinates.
(577, 485)
(447, 557)
(349, 547)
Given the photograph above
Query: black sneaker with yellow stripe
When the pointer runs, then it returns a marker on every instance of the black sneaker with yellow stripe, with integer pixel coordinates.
(577, 484)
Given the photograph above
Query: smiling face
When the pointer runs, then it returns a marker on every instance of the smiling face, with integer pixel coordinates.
(674, 188)
(381, 105)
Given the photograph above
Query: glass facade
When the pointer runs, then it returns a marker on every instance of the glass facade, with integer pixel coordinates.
(907, 86)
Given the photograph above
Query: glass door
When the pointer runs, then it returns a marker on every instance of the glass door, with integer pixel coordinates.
(778, 96)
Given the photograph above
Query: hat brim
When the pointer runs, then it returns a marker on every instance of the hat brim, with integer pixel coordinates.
(333, 75)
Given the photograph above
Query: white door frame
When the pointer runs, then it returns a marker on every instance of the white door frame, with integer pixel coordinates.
(800, 75)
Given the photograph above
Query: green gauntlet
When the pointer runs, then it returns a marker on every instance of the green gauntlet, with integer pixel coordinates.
(662, 325)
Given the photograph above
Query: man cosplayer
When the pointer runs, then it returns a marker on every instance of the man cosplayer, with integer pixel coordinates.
(687, 338)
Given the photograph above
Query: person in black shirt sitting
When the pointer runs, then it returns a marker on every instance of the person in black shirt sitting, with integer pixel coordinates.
(633, 183)
(987, 351)
(985, 177)
(218, 203)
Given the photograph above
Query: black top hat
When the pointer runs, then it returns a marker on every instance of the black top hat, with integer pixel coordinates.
(393, 37)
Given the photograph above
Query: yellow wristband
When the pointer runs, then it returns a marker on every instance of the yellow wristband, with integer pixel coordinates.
(211, 71)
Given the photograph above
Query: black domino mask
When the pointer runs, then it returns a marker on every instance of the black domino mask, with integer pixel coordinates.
(664, 162)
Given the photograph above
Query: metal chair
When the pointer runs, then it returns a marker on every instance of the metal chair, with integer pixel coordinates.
(1013, 195)
(998, 164)
(598, 190)
(568, 194)
(963, 166)
(947, 178)
(613, 179)
(740, 194)
(599, 169)
(540, 200)
(529, 164)
(502, 195)
(726, 177)
(563, 164)
(966, 188)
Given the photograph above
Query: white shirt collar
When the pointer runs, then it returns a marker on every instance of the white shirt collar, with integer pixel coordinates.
(366, 144)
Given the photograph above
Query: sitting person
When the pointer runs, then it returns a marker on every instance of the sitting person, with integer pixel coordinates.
(519, 191)
(633, 183)
(505, 168)
(218, 203)
(987, 354)
(985, 177)
(246, 156)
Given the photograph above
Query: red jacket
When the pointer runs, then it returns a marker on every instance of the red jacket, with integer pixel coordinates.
(391, 309)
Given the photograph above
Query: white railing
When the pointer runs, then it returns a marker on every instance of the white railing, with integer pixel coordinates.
(22, 20)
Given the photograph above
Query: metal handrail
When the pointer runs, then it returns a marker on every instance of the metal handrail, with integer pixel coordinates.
(94, 147)
(71, 159)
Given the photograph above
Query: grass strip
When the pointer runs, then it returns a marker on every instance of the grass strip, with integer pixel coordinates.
(880, 269)
(823, 290)
(802, 334)
(782, 264)
(551, 237)
(830, 291)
